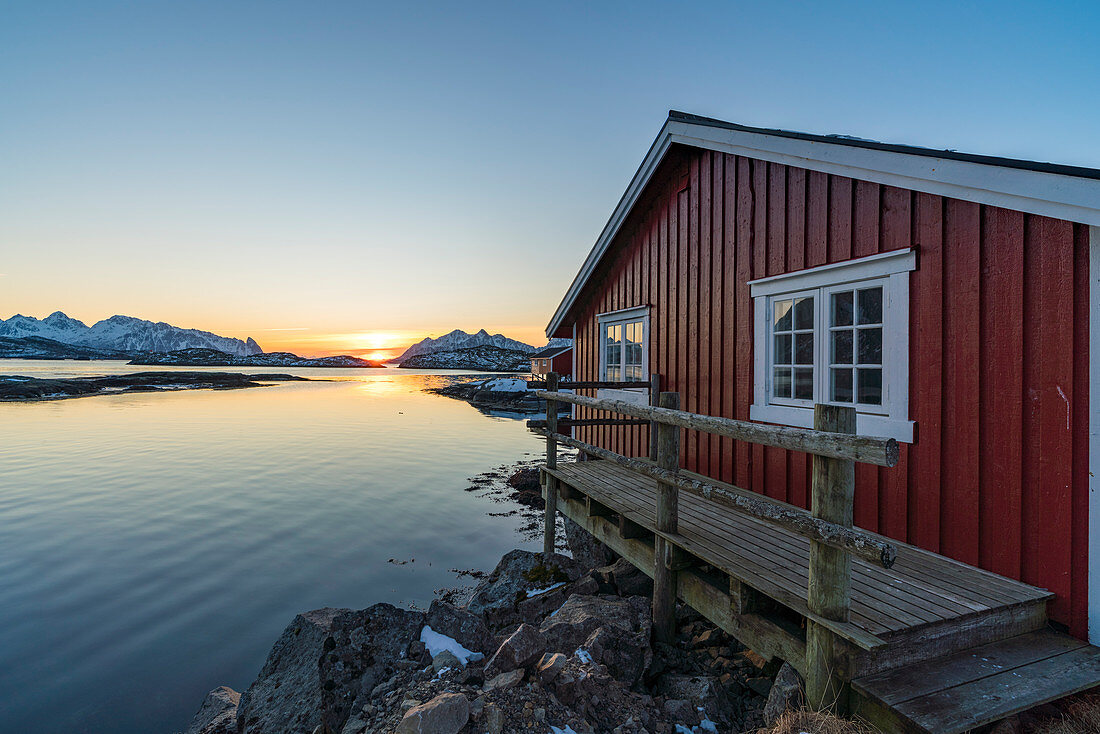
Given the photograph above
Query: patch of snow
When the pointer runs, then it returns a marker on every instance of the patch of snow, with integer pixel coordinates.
(551, 587)
(565, 730)
(437, 643)
(583, 655)
(442, 671)
(708, 725)
(504, 384)
(681, 729)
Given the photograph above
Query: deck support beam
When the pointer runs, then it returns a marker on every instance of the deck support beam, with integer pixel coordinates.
(830, 568)
(551, 498)
(664, 576)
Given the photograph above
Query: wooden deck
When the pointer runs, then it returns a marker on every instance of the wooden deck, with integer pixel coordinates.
(750, 577)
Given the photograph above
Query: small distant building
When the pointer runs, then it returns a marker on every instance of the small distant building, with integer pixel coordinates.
(553, 359)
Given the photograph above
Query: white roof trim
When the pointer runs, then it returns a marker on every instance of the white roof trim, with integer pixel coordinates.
(1056, 195)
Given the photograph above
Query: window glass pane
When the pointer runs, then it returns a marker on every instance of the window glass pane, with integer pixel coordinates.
(782, 315)
(842, 309)
(870, 386)
(870, 346)
(612, 373)
(782, 349)
(804, 348)
(842, 347)
(781, 385)
(870, 306)
(804, 383)
(842, 385)
(804, 313)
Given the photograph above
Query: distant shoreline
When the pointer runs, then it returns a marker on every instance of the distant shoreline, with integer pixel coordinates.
(23, 389)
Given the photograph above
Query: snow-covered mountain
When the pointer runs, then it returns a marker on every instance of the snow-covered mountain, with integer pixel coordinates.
(459, 339)
(482, 358)
(123, 333)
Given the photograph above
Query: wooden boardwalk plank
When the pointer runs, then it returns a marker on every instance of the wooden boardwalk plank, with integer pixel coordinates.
(922, 588)
(972, 704)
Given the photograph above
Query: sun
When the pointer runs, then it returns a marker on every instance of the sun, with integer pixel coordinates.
(377, 356)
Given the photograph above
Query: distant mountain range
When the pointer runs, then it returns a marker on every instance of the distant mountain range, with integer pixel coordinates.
(458, 339)
(214, 358)
(124, 334)
(480, 358)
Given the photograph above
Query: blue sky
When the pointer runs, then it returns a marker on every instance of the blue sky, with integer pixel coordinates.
(341, 168)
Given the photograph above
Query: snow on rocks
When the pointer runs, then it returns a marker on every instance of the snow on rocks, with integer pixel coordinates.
(438, 644)
(583, 665)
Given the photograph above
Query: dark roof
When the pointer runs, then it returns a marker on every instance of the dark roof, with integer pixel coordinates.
(549, 352)
(992, 160)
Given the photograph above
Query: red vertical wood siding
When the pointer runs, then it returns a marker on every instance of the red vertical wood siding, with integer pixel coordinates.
(997, 476)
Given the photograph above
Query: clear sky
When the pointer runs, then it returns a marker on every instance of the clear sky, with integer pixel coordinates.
(348, 176)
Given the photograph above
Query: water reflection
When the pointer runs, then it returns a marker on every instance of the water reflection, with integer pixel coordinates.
(154, 545)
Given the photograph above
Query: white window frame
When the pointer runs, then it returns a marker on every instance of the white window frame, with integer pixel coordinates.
(624, 316)
(889, 270)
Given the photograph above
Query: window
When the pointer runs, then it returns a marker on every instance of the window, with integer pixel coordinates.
(624, 350)
(836, 334)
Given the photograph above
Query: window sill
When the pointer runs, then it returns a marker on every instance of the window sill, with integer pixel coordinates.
(627, 395)
(866, 425)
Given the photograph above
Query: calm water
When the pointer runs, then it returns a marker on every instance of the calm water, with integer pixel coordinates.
(154, 546)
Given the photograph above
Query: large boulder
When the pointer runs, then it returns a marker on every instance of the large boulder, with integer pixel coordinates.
(587, 551)
(627, 579)
(447, 713)
(285, 698)
(218, 713)
(521, 649)
(362, 650)
(785, 694)
(612, 631)
(520, 575)
(462, 625)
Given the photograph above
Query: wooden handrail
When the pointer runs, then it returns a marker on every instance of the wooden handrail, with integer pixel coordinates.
(866, 449)
(582, 422)
(853, 540)
(591, 384)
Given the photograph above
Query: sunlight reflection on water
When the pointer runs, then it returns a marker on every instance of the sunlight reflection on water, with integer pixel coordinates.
(155, 545)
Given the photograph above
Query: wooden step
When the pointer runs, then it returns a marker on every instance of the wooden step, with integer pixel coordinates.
(965, 690)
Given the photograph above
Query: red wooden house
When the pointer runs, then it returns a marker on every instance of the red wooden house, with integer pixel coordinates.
(553, 359)
(951, 298)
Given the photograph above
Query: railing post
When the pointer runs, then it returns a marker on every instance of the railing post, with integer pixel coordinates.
(654, 399)
(551, 518)
(664, 578)
(833, 491)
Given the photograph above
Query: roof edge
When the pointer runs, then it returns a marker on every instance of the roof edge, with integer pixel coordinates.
(1063, 192)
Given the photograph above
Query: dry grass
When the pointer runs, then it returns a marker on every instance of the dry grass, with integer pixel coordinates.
(812, 722)
(1080, 715)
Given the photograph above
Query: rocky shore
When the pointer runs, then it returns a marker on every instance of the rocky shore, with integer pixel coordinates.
(548, 645)
(22, 388)
(498, 393)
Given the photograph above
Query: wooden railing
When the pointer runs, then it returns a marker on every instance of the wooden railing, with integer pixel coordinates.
(828, 525)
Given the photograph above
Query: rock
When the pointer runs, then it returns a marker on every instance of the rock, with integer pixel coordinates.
(1011, 725)
(625, 655)
(703, 691)
(587, 551)
(465, 627)
(511, 679)
(680, 711)
(286, 696)
(218, 713)
(365, 648)
(785, 695)
(492, 719)
(760, 686)
(550, 665)
(519, 572)
(613, 631)
(447, 713)
(355, 725)
(522, 648)
(445, 660)
(627, 579)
